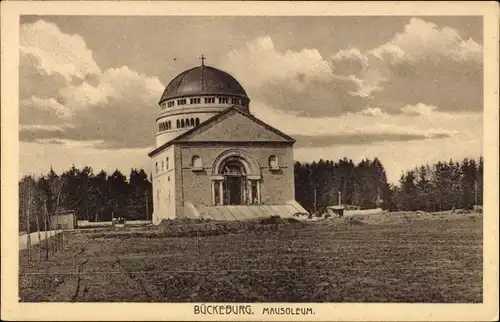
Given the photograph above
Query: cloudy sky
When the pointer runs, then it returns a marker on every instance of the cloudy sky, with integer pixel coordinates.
(408, 90)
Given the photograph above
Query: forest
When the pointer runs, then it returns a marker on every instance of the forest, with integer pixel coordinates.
(437, 187)
(102, 196)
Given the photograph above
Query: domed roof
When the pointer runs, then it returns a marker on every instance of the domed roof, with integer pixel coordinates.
(203, 80)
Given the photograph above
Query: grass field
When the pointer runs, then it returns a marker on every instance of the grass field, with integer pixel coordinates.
(389, 258)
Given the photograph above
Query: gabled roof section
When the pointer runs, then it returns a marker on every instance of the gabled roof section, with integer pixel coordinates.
(197, 133)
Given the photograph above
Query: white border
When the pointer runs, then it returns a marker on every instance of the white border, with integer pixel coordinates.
(12, 310)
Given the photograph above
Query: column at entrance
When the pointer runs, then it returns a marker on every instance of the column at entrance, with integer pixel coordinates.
(250, 194)
(235, 181)
(221, 192)
(254, 191)
(217, 192)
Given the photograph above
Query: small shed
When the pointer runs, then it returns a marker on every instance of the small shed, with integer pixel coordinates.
(338, 210)
(63, 220)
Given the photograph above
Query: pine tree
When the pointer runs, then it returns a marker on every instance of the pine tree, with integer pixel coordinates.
(119, 193)
(480, 170)
(423, 189)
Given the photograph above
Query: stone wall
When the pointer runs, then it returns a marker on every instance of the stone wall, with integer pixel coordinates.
(164, 188)
(277, 187)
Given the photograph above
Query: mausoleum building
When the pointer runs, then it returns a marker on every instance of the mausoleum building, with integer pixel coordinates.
(213, 158)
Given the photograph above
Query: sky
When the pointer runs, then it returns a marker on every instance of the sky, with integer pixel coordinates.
(407, 90)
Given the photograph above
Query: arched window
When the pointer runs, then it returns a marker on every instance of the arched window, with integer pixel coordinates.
(273, 162)
(167, 163)
(169, 125)
(197, 121)
(157, 170)
(196, 163)
(162, 166)
(178, 124)
(186, 121)
(182, 123)
(191, 121)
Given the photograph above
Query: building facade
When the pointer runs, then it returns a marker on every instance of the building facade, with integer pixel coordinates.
(213, 158)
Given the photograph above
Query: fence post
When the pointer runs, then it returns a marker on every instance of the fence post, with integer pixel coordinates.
(197, 250)
(39, 237)
(28, 237)
(46, 233)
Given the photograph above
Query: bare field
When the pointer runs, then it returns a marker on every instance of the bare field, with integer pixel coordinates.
(389, 258)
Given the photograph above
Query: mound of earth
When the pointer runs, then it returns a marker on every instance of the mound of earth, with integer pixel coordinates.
(357, 222)
(201, 227)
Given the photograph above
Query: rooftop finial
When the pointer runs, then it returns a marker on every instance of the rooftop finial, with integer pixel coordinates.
(203, 60)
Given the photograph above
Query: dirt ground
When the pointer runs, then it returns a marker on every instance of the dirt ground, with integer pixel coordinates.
(397, 257)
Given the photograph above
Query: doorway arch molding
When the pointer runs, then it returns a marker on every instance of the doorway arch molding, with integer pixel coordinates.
(251, 166)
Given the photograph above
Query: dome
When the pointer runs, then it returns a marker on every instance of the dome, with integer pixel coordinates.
(203, 80)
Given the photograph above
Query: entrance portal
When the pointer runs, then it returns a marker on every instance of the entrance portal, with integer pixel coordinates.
(234, 191)
(234, 183)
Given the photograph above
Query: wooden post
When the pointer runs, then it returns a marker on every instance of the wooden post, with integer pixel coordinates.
(39, 236)
(46, 232)
(315, 210)
(147, 210)
(475, 193)
(28, 230)
(197, 250)
(56, 239)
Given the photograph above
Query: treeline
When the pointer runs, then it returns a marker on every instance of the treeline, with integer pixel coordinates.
(317, 184)
(93, 197)
(438, 187)
(102, 196)
(442, 186)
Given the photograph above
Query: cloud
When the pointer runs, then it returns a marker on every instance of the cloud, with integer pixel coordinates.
(424, 41)
(35, 127)
(56, 53)
(67, 96)
(373, 111)
(302, 82)
(419, 110)
(43, 111)
(318, 141)
(397, 156)
(421, 64)
(350, 61)
(372, 121)
(411, 99)
(404, 89)
(426, 64)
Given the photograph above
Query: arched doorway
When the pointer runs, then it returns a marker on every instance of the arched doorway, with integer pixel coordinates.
(234, 185)
(235, 179)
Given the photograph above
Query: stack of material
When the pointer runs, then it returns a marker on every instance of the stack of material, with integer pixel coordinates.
(246, 212)
(363, 212)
